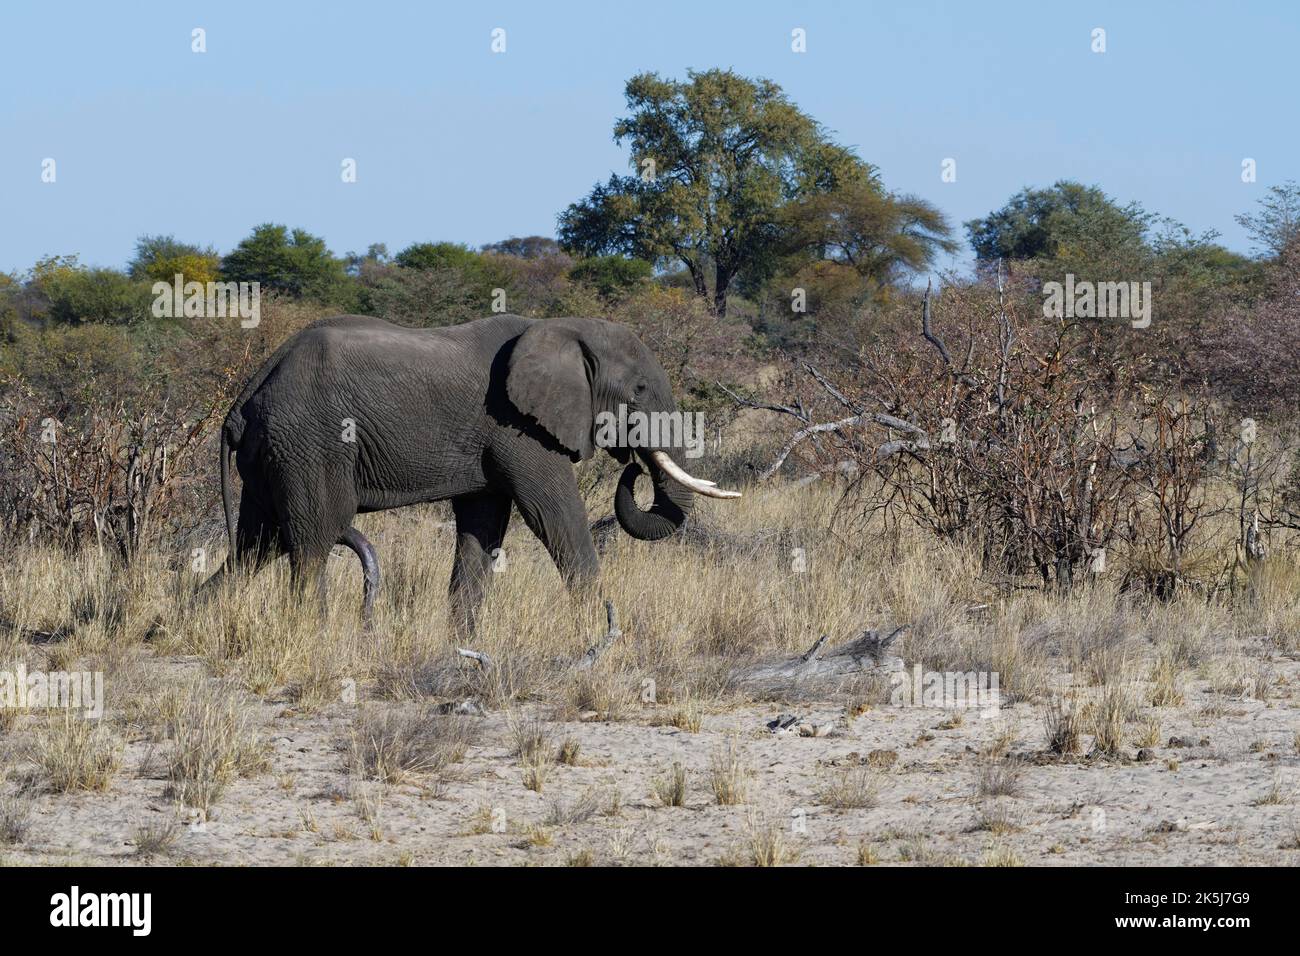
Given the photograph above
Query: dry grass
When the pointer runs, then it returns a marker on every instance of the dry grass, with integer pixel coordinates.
(1002, 856)
(1063, 726)
(998, 776)
(998, 818)
(1109, 712)
(728, 774)
(1276, 795)
(1092, 659)
(1167, 679)
(394, 745)
(15, 818)
(569, 752)
(670, 786)
(155, 838)
(214, 743)
(569, 812)
(533, 748)
(766, 844)
(852, 788)
(688, 716)
(1148, 731)
(76, 754)
(688, 615)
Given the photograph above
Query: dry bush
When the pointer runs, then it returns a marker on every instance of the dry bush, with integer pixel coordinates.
(1033, 442)
(114, 479)
(1248, 356)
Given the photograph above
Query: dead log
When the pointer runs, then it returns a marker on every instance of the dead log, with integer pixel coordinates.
(868, 653)
(484, 661)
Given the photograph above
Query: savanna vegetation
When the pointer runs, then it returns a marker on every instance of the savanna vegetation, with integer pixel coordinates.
(1101, 514)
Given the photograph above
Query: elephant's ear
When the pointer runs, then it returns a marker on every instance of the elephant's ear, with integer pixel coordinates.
(549, 381)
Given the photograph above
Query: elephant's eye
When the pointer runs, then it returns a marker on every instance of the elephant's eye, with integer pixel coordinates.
(640, 389)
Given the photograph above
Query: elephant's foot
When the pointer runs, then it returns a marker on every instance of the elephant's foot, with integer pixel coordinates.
(356, 541)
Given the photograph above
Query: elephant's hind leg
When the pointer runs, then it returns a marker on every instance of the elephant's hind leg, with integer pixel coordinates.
(481, 521)
(256, 539)
(362, 548)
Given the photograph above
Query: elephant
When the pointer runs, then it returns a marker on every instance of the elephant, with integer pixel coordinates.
(355, 414)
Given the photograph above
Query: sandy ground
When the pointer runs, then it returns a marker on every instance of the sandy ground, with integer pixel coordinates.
(1224, 794)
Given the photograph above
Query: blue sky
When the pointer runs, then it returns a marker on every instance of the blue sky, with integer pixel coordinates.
(454, 142)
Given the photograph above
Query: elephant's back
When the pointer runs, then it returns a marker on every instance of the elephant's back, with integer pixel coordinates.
(345, 352)
(364, 332)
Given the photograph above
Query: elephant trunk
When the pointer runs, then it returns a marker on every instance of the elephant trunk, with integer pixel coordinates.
(672, 503)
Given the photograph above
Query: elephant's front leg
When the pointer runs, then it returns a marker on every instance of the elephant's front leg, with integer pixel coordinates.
(552, 507)
(481, 521)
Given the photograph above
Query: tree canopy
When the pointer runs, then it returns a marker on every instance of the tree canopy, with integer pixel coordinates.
(717, 161)
(1038, 223)
(293, 263)
(1277, 222)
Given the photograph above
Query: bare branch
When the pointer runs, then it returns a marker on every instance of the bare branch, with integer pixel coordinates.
(795, 410)
(612, 634)
(484, 661)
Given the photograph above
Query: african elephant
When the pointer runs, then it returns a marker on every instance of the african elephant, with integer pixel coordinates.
(355, 414)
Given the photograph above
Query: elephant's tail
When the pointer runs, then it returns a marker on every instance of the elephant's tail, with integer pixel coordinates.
(227, 496)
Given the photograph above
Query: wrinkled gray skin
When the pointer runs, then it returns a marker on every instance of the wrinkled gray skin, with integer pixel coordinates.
(487, 414)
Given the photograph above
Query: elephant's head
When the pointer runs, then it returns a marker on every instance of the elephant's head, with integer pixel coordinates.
(579, 377)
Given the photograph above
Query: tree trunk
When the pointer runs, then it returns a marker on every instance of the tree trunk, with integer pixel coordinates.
(722, 280)
(697, 276)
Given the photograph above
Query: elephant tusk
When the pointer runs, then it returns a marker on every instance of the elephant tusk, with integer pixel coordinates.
(698, 485)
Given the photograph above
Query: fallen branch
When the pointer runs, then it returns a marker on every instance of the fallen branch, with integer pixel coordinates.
(484, 661)
(612, 634)
(868, 652)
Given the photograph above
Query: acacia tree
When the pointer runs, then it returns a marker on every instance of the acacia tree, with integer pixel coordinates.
(715, 161)
(880, 236)
(1277, 222)
(1067, 221)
